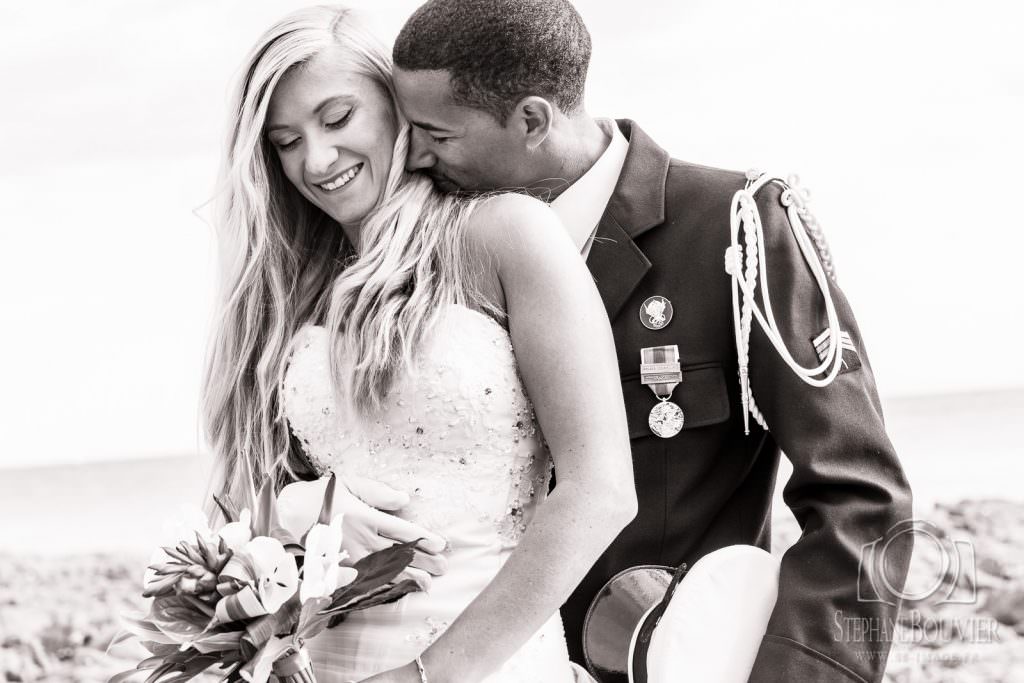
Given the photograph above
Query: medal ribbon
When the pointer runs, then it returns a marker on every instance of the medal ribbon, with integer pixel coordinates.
(660, 370)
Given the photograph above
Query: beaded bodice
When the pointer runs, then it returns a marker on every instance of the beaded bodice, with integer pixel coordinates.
(457, 433)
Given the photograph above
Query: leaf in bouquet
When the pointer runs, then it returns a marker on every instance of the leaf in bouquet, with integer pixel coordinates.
(328, 506)
(160, 649)
(232, 675)
(119, 637)
(176, 554)
(335, 619)
(263, 629)
(160, 585)
(191, 552)
(247, 650)
(160, 671)
(228, 507)
(385, 596)
(146, 630)
(182, 656)
(177, 614)
(375, 570)
(227, 674)
(310, 622)
(150, 662)
(123, 676)
(192, 668)
(204, 607)
(257, 669)
(265, 507)
(217, 642)
(165, 568)
(208, 548)
(267, 522)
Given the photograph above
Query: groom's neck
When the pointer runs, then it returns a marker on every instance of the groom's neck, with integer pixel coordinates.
(574, 145)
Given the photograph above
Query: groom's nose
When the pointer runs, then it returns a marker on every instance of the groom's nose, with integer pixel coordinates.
(419, 157)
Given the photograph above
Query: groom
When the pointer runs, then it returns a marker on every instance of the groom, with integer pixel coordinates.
(494, 90)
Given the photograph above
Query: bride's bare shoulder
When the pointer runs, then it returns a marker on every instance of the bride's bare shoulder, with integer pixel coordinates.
(501, 231)
(505, 225)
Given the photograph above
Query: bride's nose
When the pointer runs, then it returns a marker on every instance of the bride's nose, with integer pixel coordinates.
(320, 157)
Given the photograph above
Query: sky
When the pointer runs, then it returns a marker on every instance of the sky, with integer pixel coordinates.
(902, 117)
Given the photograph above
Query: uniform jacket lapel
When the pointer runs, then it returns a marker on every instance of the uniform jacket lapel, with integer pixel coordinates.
(637, 205)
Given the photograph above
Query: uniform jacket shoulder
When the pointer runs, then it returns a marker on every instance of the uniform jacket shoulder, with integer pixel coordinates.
(709, 182)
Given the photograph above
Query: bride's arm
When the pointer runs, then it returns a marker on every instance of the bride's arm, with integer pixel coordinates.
(564, 348)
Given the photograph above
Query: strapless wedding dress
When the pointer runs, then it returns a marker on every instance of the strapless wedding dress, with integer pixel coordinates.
(458, 433)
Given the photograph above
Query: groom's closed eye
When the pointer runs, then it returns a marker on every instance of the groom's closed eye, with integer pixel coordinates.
(435, 133)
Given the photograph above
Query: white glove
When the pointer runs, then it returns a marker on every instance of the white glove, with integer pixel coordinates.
(366, 527)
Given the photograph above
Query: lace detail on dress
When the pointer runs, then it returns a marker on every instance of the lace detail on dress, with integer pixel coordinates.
(457, 432)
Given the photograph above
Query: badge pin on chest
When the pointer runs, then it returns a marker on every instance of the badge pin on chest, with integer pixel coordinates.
(656, 312)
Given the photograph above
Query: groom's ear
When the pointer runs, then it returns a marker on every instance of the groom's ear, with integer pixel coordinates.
(533, 115)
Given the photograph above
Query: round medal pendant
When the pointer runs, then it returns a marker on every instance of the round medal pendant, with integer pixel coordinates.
(656, 312)
(666, 419)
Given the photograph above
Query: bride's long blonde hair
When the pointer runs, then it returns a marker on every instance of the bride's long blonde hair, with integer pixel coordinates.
(283, 262)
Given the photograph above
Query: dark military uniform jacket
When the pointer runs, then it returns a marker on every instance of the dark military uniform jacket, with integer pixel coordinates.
(665, 232)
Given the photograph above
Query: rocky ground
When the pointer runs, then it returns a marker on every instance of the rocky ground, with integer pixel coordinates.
(57, 614)
(971, 628)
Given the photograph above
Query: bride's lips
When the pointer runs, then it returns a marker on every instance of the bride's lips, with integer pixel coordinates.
(340, 180)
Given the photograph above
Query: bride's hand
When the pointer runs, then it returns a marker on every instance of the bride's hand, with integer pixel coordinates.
(368, 527)
(403, 674)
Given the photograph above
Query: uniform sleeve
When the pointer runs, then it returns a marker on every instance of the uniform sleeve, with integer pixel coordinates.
(831, 620)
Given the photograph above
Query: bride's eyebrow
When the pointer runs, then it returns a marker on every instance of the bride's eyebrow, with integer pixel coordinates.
(331, 100)
(316, 110)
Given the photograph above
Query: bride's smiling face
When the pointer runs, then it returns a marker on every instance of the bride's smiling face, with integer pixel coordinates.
(334, 131)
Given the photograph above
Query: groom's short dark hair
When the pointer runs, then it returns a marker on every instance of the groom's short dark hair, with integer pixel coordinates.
(498, 51)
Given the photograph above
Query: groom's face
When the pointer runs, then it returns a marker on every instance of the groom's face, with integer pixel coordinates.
(459, 147)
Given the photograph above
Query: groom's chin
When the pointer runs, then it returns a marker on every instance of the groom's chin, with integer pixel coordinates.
(446, 185)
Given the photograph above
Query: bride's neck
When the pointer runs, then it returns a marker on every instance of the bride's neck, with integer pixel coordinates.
(352, 235)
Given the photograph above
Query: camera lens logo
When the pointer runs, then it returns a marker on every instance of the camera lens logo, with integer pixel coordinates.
(948, 579)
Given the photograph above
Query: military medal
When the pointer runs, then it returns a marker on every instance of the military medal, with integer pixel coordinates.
(656, 312)
(660, 370)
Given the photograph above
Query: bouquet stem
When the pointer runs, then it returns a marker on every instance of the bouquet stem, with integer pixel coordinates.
(294, 667)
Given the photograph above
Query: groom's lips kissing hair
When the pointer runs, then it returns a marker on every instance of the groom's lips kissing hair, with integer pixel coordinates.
(443, 182)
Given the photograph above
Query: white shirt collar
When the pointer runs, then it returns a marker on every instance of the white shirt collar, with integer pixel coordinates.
(582, 204)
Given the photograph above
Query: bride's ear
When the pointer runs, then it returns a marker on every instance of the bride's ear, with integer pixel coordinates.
(533, 115)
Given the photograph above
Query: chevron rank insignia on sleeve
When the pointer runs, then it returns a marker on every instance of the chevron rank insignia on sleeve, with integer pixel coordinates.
(851, 359)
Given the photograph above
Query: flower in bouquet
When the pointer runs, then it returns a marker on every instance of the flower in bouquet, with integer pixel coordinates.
(322, 571)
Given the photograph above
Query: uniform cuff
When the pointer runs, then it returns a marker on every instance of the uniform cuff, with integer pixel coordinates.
(782, 660)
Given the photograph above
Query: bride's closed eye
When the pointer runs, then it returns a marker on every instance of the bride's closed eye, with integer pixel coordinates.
(332, 122)
(284, 145)
(338, 120)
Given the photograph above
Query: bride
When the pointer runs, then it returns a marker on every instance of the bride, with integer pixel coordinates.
(454, 348)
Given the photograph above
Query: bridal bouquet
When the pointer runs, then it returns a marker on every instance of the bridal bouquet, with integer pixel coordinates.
(244, 598)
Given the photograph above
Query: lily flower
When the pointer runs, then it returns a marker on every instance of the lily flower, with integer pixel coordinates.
(322, 573)
(237, 534)
(277, 575)
(299, 503)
